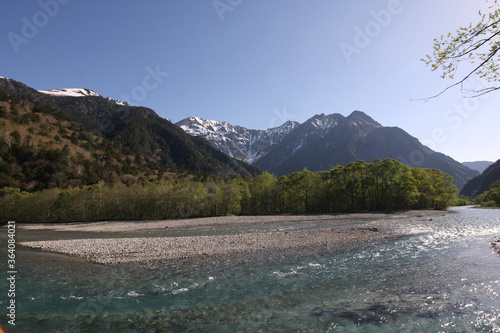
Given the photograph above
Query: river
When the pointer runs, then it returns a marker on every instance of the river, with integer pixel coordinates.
(444, 277)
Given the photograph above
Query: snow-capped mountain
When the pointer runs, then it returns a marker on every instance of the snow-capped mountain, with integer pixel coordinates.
(78, 92)
(321, 143)
(239, 142)
(70, 92)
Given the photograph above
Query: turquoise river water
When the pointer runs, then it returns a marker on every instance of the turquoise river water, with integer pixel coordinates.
(445, 277)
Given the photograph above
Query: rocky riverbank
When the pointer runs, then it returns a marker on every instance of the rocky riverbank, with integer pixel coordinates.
(128, 250)
(273, 241)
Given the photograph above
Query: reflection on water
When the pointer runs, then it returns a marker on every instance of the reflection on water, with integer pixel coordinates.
(445, 278)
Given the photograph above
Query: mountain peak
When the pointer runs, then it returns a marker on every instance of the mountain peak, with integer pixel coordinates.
(195, 119)
(239, 142)
(289, 124)
(70, 92)
(363, 116)
(478, 165)
(323, 122)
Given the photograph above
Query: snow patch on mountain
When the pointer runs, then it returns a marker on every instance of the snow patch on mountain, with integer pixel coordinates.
(239, 142)
(70, 92)
(122, 103)
(79, 92)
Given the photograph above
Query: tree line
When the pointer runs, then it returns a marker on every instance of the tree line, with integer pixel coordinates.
(384, 185)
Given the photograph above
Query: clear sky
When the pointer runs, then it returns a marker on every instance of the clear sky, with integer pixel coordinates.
(256, 63)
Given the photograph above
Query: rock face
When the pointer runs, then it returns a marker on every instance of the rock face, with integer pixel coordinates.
(323, 142)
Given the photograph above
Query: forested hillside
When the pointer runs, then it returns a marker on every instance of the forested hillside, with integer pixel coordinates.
(137, 129)
(490, 197)
(41, 147)
(483, 182)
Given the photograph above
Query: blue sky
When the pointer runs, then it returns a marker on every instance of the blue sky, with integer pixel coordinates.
(256, 63)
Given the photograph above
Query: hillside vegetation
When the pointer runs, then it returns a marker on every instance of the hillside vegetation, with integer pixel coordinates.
(41, 148)
(490, 197)
(140, 131)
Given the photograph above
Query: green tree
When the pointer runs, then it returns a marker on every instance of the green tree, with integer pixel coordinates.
(301, 191)
(232, 197)
(93, 202)
(189, 198)
(478, 44)
(264, 194)
(283, 188)
(436, 189)
(62, 205)
(215, 202)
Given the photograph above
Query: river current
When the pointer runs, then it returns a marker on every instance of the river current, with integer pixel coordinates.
(444, 277)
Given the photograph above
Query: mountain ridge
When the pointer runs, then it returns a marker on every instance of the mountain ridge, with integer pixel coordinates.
(325, 141)
(320, 143)
(138, 129)
(70, 92)
(482, 183)
(478, 165)
(237, 141)
(42, 148)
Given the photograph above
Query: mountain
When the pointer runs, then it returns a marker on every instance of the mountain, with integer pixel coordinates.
(244, 144)
(325, 141)
(138, 129)
(478, 165)
(481, 183)
(311, 145)
(41, 147)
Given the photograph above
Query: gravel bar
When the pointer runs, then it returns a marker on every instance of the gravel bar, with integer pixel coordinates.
(128, 250)
(111, 251)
